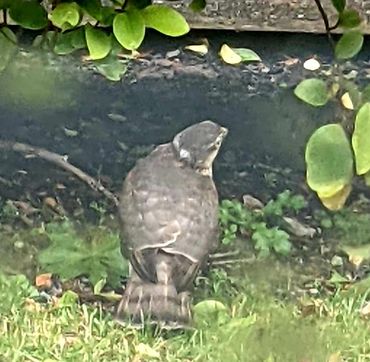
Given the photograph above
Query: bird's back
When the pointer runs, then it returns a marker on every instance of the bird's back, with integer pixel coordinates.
(169, 206)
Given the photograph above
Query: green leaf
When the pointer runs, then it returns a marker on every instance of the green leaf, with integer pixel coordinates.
(98, 42)
(361, 140)
(69, 255)
(78, 38)
(8, 47)
(312, 91)
(339, 5)
(336, 278)
(65, 15)
(68, 299)
(9, 34)
(247, 55)
(129, 29)
(68, 42)
(111, 67)
(349, 18)
(197, 5)
(329, 160)
(349, 45)
(94, 8)
(29, 14)
(165, 20)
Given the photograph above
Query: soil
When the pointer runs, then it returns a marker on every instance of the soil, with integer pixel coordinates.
(104, 127)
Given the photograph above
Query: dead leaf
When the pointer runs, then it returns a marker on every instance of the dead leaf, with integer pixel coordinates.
(311, 64)
(201, 49)
(32, 306)
(50, 202)
(365, 310)
(44, 280)
(334, 89)
(347, 101)
(252, 203)
(144, 350)
(357, 254)
(336, 201)
(335, 357)
(293, 226)
(229, 56)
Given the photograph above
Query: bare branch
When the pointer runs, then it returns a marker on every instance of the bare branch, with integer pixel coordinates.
(60, 161)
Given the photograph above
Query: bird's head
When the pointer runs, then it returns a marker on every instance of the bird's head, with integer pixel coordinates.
(198, 145)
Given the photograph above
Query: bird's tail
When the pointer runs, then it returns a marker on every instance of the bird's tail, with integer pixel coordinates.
(159, 303)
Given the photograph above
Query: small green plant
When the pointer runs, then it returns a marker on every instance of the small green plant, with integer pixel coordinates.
(13, 290)
(330, 157)
(236, 219)
(71, 254)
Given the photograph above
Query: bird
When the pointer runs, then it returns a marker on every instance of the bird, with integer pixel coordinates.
(168, 213)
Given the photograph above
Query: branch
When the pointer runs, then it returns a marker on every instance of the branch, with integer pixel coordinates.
(60, 161)
(326, 23)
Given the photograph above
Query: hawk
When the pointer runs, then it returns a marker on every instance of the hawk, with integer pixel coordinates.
(169, 220)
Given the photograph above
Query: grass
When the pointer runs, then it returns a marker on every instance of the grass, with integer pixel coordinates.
(256, 327)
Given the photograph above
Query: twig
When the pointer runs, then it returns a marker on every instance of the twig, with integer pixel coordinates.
(326, 23)
(60, 161)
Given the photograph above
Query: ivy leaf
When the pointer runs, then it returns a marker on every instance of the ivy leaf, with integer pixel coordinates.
(329, 160)
(8, 46)
(165, 20)
(197, 5)
(339, 5)
(65, 15)
(98, 42)
(361, 140)
(349, 45)
(94, 8)
(349, 19)
(312, 91)
(111, 67)
(67, 43)
(78, 38)
(129, 28)
(29, 14)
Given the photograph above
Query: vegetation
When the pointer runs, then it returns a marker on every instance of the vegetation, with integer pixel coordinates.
(95, 255)
(249, 327)
(108, 30)
(330, 156)
(236, 219)
(235, 316)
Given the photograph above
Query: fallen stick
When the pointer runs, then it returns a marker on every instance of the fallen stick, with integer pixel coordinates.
(60, 161)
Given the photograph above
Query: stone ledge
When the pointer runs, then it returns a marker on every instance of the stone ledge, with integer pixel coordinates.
(266, 15)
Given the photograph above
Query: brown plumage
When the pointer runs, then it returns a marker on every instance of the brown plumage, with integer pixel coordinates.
(169, 215)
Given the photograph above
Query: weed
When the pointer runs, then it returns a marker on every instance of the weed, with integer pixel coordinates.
(236, 219)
